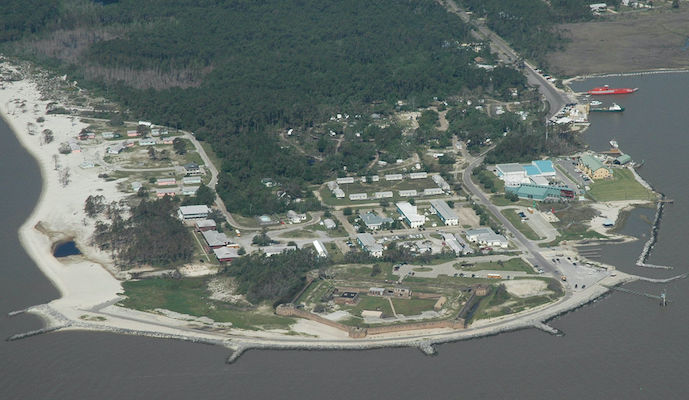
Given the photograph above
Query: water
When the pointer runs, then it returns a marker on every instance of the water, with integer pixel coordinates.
(622, 346)
(66, 249)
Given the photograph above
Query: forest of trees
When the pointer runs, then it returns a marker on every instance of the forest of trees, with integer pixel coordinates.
(276, 278)
(235, 72)
(529, 25)
(152, 235)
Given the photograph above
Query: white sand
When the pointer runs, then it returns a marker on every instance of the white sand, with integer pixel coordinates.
(611, 210)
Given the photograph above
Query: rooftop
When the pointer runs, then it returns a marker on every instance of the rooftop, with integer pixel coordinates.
(592, 163)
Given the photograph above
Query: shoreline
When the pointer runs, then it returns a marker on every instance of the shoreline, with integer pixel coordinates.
(624, 74)
(89, 289)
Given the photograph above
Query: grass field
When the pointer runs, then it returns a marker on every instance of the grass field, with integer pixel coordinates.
(190, 296)
(622, 186)
(513, 264)
(410, 307)
(645, 40)
(523, 227)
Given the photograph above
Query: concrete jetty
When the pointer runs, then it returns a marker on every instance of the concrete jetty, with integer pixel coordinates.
(641, 261)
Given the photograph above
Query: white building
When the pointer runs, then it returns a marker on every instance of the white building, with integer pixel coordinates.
(194, 212)
(410, 214)
(329, 223)
(320, 248)
(418, 175)
(348, 179)
(441, 182)
(375, 178)
(339, 193)
(189, 190)
(383, 195)
(273, 250)
(512, 174)
(294, 217)
(368, 243)
(432, 191)
(408, 193)
(394, 177)
(191, 180)
(486, 237)
(358, 196)
(444, 212)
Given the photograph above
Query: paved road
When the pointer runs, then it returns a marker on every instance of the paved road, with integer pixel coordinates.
(555, 97)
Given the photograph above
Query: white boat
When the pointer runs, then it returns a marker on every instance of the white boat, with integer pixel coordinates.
(614, 144)
(596, 103)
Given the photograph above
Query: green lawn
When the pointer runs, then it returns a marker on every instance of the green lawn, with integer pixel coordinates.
(410, 307)
(622, 186)
(190, 296)
(523, 227)
(513, 264)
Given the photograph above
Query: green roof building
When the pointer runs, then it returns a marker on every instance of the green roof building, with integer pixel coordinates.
(623, 159)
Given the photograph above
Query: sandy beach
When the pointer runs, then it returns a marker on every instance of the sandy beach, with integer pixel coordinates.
(89, 284)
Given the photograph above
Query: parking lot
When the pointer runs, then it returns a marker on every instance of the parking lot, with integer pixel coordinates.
(578, 274)
(570, 167)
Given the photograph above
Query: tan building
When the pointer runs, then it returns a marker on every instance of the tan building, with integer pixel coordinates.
(593, 167)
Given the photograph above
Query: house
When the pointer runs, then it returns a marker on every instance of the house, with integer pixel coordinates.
(410, 214)
(215, 239)
(189, 190)
(376, 291)
(418, 175)
(320, 249)
(193, 169)
(226, 254)
(268, 182)
(339, 193)
(205, 225)
(136, 186)
(132, 133)
(375, 178)
(358, 196)
(166, 181)
(408, 193)
(191, 180)
(168, 140)
(166, 192)
(108, 135)
(155, 131)
(348, 179)
(74, 146)
(598, 7)
(145, 123)
(394, 177)
(117, 149)
(593, 167)
(294, 217)
(147, 142)
(432, 191)
(373, 220)
(444, 212)
(383, 195)
(329, 223)
(194, 212)
(486, 237)
(368, 243)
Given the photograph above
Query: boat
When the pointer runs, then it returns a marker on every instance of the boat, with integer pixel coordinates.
(613, 108)
(596, 103)
(608, 90)
(614, 144)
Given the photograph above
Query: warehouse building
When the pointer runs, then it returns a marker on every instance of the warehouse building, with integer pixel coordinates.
(486, 237)
(410, 214)
(541, 192)
(320, 249)
(444, 212)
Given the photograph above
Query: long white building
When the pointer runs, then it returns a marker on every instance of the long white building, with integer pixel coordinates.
(410, 214)
(444, 212)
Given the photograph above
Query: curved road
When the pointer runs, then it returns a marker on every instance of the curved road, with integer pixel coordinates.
(555, 97)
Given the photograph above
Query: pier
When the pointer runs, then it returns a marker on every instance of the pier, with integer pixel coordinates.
(662, 297)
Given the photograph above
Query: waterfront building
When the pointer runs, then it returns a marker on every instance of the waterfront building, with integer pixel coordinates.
(594, 167)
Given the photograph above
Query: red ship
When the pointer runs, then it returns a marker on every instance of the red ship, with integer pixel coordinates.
(608, 90)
